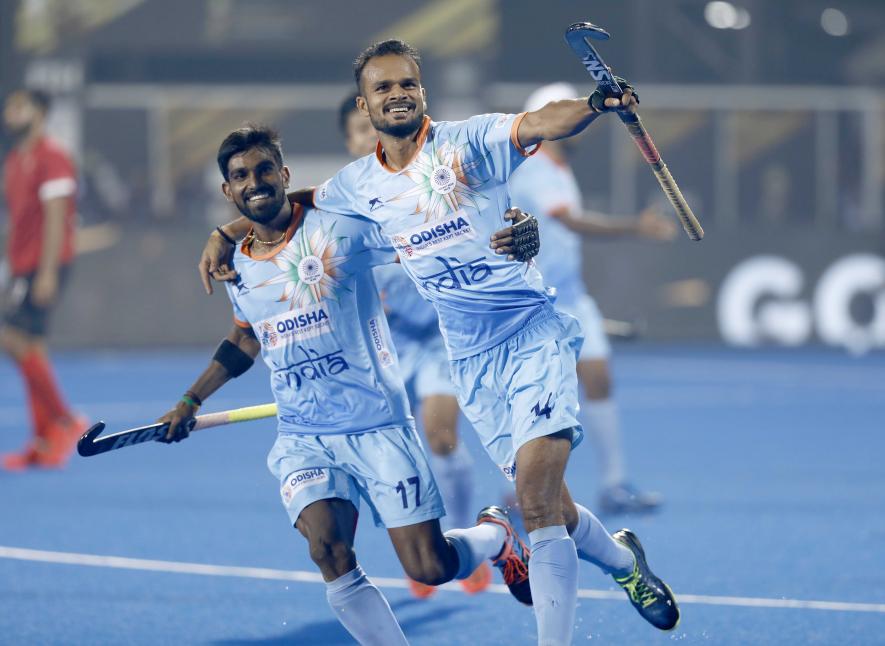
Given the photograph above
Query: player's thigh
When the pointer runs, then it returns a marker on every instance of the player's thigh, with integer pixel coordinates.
(542, 383)
(307, 474)
(440, 416)
(392, 473)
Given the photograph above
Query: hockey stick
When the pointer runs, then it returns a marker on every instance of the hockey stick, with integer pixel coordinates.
(577, 36)
(91, 444)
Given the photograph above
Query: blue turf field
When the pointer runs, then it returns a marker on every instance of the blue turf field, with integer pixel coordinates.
(771, 463)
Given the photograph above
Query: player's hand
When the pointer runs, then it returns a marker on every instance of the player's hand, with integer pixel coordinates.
(45, 288)
(627, 102)
(521, 241)
(652, 224)
(178, 419)
(215, 261)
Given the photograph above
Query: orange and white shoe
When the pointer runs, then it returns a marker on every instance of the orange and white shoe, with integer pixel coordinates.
(61, 439)
(478, 581)
(513, 561)
(420, 590)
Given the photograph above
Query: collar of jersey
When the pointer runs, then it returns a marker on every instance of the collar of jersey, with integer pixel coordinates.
(422, 137)
(297, 217)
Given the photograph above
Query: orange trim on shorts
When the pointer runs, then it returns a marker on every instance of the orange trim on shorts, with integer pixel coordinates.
(514, 137)
(297, 216)
(422, 137)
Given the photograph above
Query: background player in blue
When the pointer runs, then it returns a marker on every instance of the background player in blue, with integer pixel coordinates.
(424, 368)
(438, 189)
(546, 187)
(306, 300)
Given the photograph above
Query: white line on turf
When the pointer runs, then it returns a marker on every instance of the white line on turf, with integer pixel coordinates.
(177, 567)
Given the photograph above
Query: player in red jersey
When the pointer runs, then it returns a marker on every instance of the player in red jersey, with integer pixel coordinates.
(39, 183)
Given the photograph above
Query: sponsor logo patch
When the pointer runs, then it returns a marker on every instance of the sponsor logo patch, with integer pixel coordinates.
(509, 471)
(298, 480)
(295, 325)
(378, 343)
(428, 238)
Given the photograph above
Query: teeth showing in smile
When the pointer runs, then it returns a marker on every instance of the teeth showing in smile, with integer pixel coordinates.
(258, 196)
(400, 109)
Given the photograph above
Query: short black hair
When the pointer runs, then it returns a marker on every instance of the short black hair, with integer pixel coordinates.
(39, 98)
(348, 106)
(245, 138)
(384, 48)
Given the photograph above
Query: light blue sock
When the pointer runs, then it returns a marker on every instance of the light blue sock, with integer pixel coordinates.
(596, 545)
(454, 475)
(476, 544)
(363, 610)
(553, 576)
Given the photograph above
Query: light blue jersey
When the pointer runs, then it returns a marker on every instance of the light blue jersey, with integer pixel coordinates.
(543, 186)
(414, 327)
(439, 213)
(314, 307)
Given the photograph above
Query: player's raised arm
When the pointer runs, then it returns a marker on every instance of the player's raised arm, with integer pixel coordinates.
(650, 224)
(561, 119)
(234, 356)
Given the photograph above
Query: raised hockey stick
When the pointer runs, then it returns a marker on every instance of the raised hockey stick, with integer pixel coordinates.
(91, 444)
(578, 37)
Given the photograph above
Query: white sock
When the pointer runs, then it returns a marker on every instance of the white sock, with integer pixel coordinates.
(596, 545)
(363, 610)
(602, 423)
(454, 475)
(553, 576)
(476, 544)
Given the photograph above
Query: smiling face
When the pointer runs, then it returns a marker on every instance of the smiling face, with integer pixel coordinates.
(257, 184)
(391, 95)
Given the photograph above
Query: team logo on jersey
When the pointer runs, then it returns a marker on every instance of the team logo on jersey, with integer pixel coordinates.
(384, 354)
(446, 177)
(295, 325)
(457, 274)
(322, 191)
(427, 239)
(443, 180)
(375, 203)
(311, 270)
(298, 480)
(310, 267)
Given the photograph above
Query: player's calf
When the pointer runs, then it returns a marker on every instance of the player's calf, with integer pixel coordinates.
(424, 553)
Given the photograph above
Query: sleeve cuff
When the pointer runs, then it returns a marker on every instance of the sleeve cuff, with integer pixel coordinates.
(514, 138)
(55, 188)
(242, 324)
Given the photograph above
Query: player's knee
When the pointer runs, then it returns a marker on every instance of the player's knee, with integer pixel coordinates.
(335, 556)
(599, 387)
(538, 512)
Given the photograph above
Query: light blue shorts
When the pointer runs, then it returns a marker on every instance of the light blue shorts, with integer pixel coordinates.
(523, 388)
(387, 468)
(424, 368)
(584, 308)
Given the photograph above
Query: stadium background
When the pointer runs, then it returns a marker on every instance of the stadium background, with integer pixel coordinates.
(753, 401)
(773, 128)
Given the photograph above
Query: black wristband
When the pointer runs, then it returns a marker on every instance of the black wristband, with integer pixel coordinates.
(234, 360)
(225, 236)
